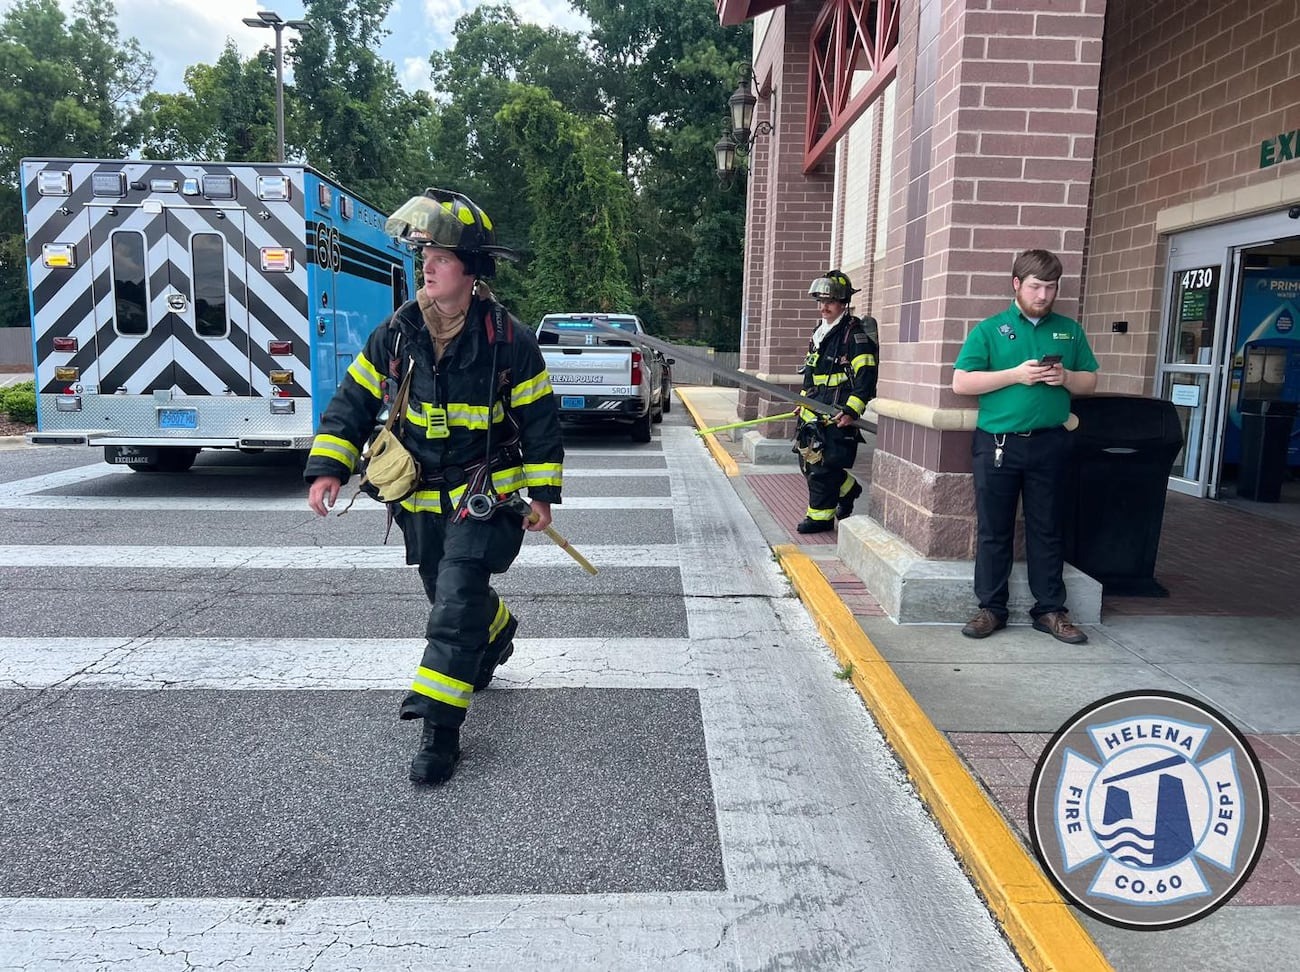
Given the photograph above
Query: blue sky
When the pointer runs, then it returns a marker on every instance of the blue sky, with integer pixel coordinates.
(183, 32)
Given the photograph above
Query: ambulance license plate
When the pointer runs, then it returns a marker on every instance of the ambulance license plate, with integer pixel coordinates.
(572, 401)
(178, 418)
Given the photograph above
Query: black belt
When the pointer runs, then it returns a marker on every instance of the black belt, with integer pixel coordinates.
(1026, 435)
(451, 476)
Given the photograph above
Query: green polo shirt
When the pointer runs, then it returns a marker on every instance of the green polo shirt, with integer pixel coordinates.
(1009, 339)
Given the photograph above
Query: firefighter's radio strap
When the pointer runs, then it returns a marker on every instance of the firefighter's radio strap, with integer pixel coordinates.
(388, 470)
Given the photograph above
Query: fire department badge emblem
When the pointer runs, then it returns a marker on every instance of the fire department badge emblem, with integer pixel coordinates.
(1148, 810)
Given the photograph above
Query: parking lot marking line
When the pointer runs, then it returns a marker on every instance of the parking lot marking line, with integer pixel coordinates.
(283, 504)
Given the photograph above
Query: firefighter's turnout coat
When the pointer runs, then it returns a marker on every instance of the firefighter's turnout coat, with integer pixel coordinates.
(445, 427)
(841, 371)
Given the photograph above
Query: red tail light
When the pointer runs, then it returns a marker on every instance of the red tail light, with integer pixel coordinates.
(65, 344)
(636, 368)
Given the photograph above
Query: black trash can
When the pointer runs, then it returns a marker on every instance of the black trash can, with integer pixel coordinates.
(1265, 439)
(1124, 449)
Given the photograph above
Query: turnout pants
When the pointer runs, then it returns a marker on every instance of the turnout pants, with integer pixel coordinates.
(1032, 473)
(830, 480)
(469, 624)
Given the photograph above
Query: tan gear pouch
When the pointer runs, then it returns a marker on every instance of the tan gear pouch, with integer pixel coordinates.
(390, 469)
(389, 472)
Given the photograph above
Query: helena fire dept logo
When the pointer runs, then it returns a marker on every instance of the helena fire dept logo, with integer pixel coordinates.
(1148, 810)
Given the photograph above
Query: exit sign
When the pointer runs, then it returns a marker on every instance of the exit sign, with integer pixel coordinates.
(1283, 148)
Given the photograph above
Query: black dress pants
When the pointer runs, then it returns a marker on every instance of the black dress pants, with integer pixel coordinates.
(1032, 474)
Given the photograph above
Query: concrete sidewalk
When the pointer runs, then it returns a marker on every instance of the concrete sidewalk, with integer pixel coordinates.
(970, 718)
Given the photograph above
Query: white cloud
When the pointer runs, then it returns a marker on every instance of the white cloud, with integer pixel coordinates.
(441, 15)
(552, 13)
(179, 33)
(414, 74)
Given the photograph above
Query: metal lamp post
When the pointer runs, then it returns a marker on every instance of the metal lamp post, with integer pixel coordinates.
(272, 20)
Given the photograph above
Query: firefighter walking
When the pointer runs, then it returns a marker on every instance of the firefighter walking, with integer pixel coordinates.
(840, 371)
(477, 416)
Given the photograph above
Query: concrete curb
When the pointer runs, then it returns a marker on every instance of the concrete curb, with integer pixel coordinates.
(1041, 926)
(720, 454)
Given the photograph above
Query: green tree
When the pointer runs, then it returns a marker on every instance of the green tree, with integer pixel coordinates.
(354, 119)
(581, 203)
(227, 113)
(466, 145)
(666, 69)
(462, 144)
(68, 87)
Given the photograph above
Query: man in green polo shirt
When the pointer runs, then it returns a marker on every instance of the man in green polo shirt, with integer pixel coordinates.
(1024, 364)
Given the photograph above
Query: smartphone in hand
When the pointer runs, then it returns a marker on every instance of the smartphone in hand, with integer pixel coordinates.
(1049, 359)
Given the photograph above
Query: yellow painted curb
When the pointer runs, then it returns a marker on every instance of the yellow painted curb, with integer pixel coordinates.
(720, 454)
(1042, 927)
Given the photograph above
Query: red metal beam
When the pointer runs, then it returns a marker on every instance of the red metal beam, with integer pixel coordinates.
(848, 36)
(733, 12)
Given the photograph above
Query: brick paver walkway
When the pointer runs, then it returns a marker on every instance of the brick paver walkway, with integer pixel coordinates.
(1212, 558)
(1004, 762)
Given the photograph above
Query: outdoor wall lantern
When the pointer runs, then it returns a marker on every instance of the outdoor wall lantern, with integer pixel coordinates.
(724, 152)
(739, 138)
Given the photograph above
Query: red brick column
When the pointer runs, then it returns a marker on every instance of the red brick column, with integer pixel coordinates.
(993, 154)
(785, 249)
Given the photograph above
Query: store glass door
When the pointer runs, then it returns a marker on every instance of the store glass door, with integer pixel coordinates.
(1189, 373)
(1211, 282)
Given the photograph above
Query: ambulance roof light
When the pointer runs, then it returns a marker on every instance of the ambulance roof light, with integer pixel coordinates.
(274, 188)
(51, 183)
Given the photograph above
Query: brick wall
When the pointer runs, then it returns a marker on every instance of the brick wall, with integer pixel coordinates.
(993, 142)
(1190, 88)
(788, 245)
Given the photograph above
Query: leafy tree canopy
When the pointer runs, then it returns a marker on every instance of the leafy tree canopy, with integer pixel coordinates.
(581, 204)
(355, 120)
(227, 114)
(68, 87)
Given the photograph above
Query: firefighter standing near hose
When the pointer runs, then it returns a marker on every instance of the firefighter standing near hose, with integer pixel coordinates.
(480, 420)
(840, 371)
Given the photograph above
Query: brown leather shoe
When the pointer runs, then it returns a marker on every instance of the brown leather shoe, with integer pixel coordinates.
(1057, 624)
(983, 624)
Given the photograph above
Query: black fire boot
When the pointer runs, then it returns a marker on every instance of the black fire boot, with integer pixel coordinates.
(809, 525)
(844, 509)
(439, 751)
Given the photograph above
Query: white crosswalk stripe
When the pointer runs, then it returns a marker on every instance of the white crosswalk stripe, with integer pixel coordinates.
(305, 558)
(313, 663)
(812, 825)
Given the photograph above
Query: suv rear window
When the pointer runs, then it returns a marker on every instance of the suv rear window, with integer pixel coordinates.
(576, 330)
